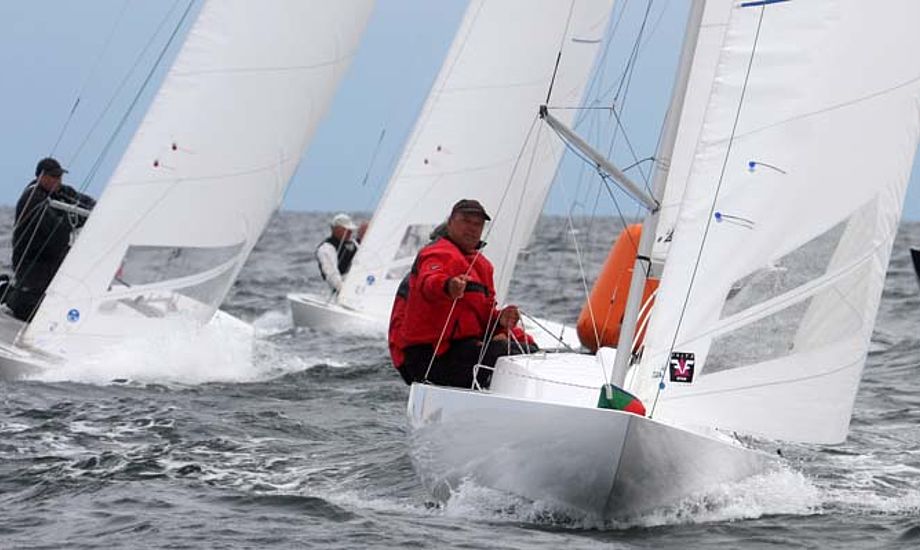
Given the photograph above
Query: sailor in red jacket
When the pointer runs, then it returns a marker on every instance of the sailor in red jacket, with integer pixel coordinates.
(450, 307)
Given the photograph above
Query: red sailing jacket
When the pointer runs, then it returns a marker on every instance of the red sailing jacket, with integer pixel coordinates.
(397, 316)
(429, 304)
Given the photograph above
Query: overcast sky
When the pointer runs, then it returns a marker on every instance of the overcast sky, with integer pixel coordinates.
(56, 51)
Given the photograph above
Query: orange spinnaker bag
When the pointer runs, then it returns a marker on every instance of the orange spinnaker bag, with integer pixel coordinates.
(608, 297)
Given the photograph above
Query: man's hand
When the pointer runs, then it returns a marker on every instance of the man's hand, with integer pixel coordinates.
(509, 317)
(456, 286)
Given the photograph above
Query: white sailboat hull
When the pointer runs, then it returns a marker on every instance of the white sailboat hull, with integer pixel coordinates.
(606, 463)
(18, 361)
(320, 313)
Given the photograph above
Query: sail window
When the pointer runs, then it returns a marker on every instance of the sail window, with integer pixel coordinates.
(813, 297)
(796, 268)
(160, 281)
(415, 237)
(842, 244)
(143, 265)
(769, 338)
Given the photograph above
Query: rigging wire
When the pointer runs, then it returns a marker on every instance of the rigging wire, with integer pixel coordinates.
(597, 78)
(623, 86)
(370, 166)
(121, 123)
(514, 225)
(120, 86)
(712, 206)
(514, 169)
(565, 33)
(108, 145)
(600, 74)
(82, 89)
(85, 182)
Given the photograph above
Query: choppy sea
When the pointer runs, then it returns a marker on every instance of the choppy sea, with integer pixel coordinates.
(189, 445)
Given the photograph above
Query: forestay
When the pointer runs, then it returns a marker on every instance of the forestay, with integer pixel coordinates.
(205, 170)
(478, 136)
(779, 253)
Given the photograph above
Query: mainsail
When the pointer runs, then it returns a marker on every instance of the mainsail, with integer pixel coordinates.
(478, 136)
(205, 170)
(791, 202)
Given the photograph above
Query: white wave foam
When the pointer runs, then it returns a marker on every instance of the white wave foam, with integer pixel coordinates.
(871, 502)
(210, 353)
(784, 491)
(363, 501)
(471, 501)
(272, 322)
(878, 488)
(217, 352)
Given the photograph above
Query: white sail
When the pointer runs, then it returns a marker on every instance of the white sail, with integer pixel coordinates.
(205, 170)
(710, 38)
(792, 200)
(479, 137)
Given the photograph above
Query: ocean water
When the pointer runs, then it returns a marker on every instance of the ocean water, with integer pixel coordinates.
(186, 444)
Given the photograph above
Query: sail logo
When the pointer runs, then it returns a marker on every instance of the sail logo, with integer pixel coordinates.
(681, 367)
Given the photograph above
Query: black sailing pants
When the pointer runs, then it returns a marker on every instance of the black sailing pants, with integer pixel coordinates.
(455, 366)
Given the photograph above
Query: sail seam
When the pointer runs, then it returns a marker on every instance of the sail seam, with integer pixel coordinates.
(278, 69)
(189, 180)
(735, 389)
(850, 103)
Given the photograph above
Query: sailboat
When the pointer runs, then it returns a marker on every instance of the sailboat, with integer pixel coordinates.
(477, 136)
(202, 175)
(779, 184)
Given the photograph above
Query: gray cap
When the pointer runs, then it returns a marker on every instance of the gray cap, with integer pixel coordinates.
(344, 220)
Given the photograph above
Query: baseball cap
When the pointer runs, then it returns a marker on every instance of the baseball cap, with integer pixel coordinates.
(470, 206)
(344, 220)
(50, 167)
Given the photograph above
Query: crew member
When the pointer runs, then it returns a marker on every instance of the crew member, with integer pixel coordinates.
(451, 322)
(43, 232)
(334, 254)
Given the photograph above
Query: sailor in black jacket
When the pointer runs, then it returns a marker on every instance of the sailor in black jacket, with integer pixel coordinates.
(42, 234)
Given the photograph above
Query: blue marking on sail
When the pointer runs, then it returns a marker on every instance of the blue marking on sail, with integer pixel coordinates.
(753, 164)
(757, 3)
(736, 220)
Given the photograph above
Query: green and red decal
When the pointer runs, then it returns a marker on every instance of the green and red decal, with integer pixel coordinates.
(620, 400)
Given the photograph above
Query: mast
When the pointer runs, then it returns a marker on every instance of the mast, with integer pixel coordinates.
(643, 262)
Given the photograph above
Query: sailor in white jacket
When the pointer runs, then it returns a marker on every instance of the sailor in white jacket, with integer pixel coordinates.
(334, 254)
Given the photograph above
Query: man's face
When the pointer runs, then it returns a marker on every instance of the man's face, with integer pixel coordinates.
(49, 183)
(341, 233)
(465, 229)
